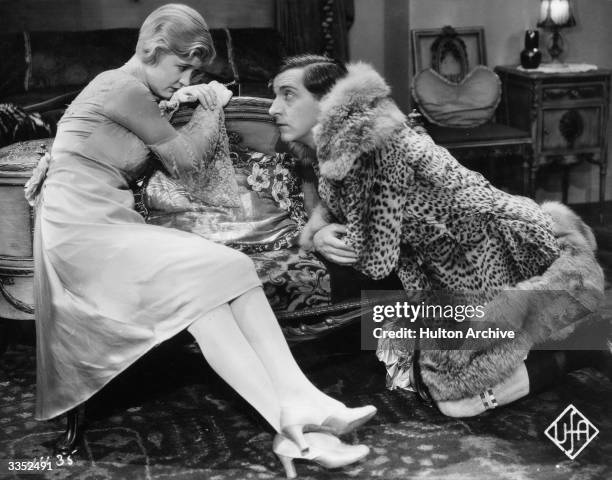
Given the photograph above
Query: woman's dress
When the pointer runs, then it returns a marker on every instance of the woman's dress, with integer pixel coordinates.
(109, 287)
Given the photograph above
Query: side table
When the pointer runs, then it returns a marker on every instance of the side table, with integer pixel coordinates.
(567, 115)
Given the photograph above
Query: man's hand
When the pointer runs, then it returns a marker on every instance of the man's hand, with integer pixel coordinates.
(318, 219)
(328, 241)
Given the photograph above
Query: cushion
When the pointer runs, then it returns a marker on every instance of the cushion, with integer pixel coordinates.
(468, 103)
(270, 216)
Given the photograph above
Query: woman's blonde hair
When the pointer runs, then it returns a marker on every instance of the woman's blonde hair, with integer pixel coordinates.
(176, 29)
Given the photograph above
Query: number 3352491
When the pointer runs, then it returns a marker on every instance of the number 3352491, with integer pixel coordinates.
(39, 464)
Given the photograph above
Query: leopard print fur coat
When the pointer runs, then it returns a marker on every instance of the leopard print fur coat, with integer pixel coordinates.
(411, 208)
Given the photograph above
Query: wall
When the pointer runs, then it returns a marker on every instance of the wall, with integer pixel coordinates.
(381, 36)
(505, 22)
(385, 44)
(367, 35)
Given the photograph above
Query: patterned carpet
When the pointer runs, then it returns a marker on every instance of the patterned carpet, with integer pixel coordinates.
(170, 416)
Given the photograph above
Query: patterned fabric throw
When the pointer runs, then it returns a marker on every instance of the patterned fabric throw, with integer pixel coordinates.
(18, 125)
(269, 216)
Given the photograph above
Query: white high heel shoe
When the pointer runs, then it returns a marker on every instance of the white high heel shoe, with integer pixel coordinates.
(295, 420)
(323, 449)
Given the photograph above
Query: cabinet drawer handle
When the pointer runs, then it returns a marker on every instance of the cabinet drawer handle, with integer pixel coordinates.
(573, 93)
(546, 132)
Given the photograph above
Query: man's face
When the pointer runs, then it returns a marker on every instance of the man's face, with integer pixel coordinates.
(169, 74)
(294, 108)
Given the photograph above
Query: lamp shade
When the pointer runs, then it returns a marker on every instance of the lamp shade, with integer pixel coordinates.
(556, 13)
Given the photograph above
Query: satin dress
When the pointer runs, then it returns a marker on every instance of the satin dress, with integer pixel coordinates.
(109, 287)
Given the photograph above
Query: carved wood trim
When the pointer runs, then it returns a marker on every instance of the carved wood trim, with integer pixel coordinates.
(14, 302)
(449, 43)
(573, 93)
(474, 36)
(571, 126)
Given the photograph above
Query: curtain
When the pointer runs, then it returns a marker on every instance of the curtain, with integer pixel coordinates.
(315, 26)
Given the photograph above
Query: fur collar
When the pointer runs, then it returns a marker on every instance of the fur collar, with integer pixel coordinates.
(357, 116)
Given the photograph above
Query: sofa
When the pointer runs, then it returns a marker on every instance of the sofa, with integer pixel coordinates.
(298, 285)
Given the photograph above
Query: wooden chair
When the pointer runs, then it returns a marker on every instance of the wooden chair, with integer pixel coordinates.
(453, 53)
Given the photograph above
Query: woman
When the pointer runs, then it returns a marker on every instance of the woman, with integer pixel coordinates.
(394, 202)
(109, 287)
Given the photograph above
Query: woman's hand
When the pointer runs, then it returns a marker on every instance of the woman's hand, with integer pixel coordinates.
(208, 94)
(224, 94)
(328, 241)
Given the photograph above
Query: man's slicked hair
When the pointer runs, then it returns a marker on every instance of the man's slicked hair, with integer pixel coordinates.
(320, 72)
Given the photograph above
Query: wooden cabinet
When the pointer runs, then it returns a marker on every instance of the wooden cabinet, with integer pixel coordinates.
(567, 115)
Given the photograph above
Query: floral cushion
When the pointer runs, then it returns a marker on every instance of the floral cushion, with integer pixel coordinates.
(271, 177)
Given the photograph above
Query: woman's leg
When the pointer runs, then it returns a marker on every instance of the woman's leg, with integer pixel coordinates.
(230, 355)
(302, 405)
(260, 327)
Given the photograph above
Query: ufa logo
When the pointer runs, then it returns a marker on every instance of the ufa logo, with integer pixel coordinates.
(571, 431)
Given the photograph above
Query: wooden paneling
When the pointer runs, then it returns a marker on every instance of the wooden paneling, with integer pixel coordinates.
(62, 15)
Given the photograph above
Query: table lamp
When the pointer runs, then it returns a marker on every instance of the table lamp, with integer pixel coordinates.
(555, 15)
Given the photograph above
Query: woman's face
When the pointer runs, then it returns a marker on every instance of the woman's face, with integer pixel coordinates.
(294, 108)
(170, 73)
